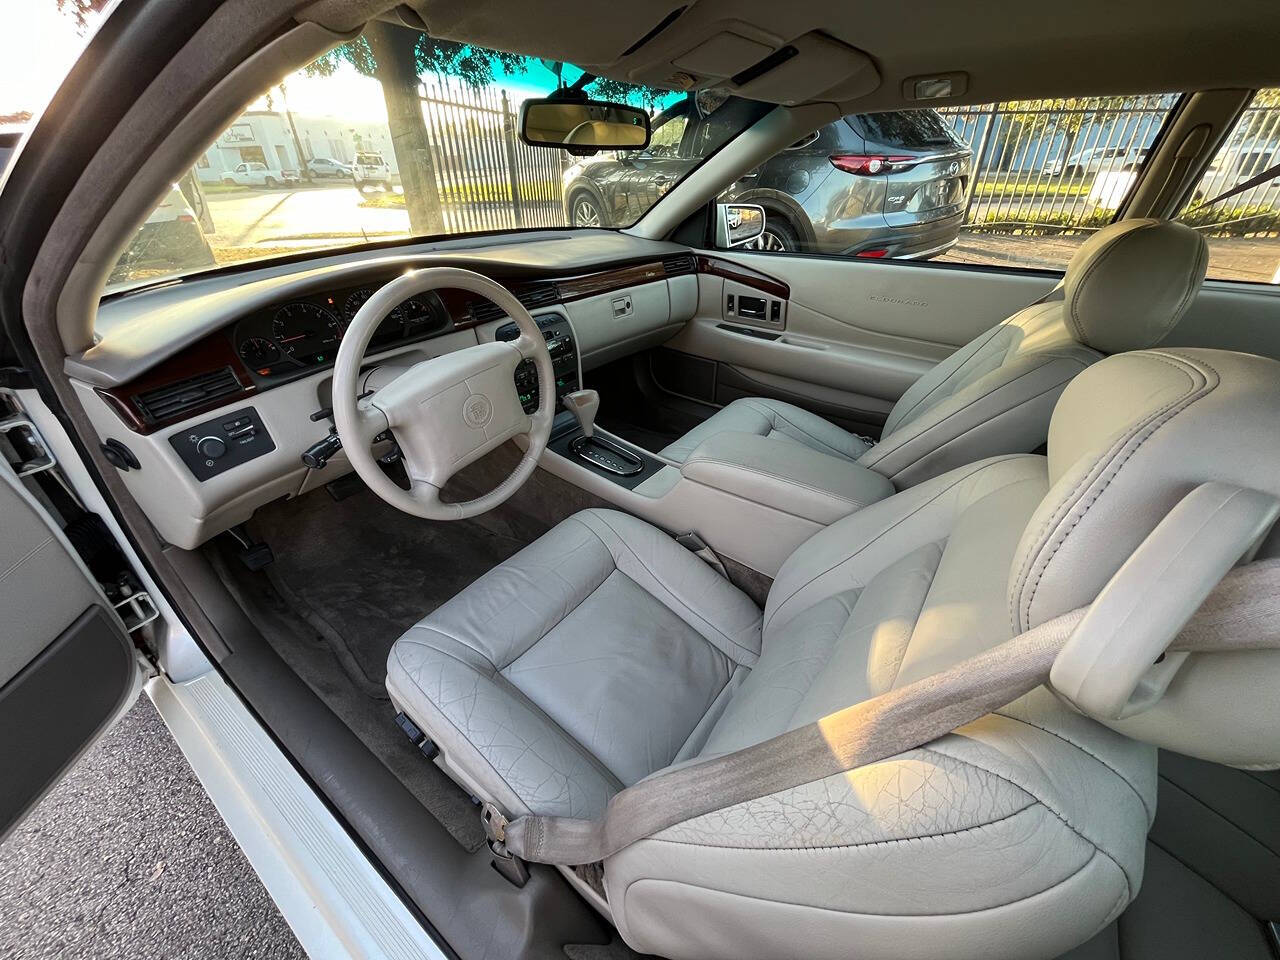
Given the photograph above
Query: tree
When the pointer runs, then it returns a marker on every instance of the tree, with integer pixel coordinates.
(81, 10)
(1069, 117)
(397, 57)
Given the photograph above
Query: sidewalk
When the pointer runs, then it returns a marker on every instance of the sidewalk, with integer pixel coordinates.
(127, 857)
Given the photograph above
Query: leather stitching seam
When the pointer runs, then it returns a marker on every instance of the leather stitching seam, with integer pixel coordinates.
(896, 523)
(1089, 753)
(774, 416)
(660, 582)
(991, 334)
(924, 433)
(867, 844)
(1101, 466)
(778, 477)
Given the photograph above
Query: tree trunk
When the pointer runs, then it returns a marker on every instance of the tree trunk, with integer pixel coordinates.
(1068, 147)
(397, 71)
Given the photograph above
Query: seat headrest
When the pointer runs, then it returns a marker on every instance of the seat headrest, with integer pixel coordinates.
(1130, 283)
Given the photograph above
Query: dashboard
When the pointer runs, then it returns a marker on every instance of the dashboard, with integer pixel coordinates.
(213, 389)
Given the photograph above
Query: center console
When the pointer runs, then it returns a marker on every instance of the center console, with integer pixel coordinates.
(564, 359)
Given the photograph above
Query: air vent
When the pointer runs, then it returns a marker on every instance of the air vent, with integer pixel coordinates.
(186, 396)
(483, 311)
(679, 264)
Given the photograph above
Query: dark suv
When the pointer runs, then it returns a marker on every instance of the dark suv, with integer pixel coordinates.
(868, 185)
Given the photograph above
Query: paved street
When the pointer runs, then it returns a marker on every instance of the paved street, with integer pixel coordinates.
(128, 858)
(303, 216)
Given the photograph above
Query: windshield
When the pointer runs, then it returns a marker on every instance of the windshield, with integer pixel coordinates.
(411, 156)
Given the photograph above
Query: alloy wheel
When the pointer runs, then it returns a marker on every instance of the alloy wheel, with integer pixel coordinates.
(768, 241)
(585, 213)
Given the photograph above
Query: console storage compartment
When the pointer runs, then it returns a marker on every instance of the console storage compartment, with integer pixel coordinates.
(784, 476)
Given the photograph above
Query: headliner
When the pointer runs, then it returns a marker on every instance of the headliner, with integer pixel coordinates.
(1009, 49)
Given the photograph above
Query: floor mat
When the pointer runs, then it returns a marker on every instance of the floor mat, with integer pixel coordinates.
(361, 572)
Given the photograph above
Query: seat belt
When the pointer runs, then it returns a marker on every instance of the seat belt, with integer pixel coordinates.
(1242, 612)
(1257, 180)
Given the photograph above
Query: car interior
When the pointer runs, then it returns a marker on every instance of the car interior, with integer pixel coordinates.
(503, 523)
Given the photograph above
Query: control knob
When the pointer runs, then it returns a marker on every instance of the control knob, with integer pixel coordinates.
(211, 448)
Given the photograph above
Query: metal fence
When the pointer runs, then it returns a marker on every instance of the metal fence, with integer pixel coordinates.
(487, 178)
(1254, 146)
(1065, 166)
(1054, 165)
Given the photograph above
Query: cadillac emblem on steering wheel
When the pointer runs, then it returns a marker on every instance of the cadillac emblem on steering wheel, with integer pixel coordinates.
(477, 411)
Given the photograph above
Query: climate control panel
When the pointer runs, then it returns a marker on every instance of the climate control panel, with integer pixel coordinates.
(564, 360)
(216, 446)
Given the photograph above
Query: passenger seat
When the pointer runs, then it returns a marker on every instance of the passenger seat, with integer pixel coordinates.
(1125, 289)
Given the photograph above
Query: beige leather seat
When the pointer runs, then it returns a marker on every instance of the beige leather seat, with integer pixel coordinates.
(604, 652)
(1125, 288)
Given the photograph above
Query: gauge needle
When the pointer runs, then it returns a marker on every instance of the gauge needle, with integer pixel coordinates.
(301, 336)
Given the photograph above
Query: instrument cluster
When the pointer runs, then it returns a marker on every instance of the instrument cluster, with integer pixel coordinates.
(306, 332)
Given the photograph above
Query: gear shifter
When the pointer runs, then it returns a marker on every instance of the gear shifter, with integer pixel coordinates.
(603, 455)
(583, 404)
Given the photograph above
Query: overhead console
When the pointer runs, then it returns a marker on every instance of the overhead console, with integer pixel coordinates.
(767, 52)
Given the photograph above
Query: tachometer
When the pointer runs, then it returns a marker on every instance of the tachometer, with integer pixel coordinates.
(307, 333)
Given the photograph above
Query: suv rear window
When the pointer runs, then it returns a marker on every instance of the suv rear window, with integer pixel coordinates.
(905, 129)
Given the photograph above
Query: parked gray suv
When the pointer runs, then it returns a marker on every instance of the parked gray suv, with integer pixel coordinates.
(868, 185)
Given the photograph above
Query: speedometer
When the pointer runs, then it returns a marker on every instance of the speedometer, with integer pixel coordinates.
(306, 332)
(355, 300)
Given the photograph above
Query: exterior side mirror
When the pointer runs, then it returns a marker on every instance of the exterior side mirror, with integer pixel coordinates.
(738, 223)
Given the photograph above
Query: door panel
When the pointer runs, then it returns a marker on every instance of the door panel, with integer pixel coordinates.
(855, 335)
(67, 667)
(1232, 316)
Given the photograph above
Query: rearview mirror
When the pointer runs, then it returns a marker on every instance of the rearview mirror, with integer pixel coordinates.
(738, 223)
(584, 126)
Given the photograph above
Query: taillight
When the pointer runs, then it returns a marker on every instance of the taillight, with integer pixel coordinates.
(876, 253)
(868, 165)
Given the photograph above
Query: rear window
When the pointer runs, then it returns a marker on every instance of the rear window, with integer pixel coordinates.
(904, 129)
(368, 158)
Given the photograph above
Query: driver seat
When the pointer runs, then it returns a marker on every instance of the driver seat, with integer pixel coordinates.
(605, 652)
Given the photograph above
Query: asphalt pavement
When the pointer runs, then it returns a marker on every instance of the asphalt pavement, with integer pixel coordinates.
(127, 857)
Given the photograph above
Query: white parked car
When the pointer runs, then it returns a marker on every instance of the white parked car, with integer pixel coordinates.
(325, 167)
(1098, 159)
(371, 170)
(255, 174)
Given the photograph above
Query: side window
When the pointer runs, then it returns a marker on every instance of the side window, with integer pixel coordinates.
(1014, 184)
(1242, 228)
(667, 133)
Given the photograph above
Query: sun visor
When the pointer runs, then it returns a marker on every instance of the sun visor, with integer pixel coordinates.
(755, 64)
(810, 67)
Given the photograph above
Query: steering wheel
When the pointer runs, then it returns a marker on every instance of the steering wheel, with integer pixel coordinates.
(445, 412)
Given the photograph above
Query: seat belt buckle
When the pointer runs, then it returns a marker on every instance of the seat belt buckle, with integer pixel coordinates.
(495, 832)
(702, 550)
(494, 822)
